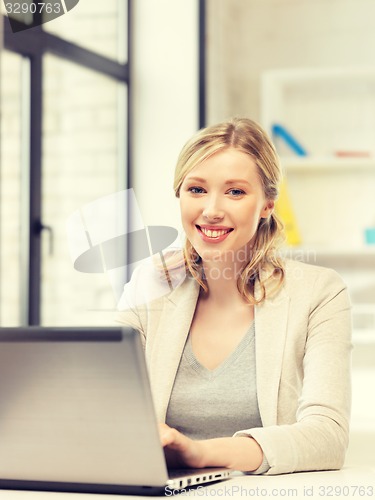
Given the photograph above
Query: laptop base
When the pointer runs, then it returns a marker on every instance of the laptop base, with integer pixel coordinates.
(112, 489)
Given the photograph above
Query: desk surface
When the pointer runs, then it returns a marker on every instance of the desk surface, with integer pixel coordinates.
(350, 482)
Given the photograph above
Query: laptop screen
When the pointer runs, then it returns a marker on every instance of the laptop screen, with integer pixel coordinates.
(75, 406)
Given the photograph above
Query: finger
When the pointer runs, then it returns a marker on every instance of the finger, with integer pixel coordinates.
(172, 437)
(166, 434)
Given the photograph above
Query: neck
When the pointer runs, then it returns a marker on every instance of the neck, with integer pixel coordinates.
(221, 279)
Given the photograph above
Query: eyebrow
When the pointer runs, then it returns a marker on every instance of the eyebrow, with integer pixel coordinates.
(229, 181)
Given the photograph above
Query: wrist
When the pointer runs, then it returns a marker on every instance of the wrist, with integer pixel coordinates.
(257, 453)
(239, 453)
(207, 452)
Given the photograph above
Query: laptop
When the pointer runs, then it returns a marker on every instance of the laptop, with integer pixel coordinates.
(76, 414)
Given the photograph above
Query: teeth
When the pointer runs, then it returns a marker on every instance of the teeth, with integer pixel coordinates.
(213, 233)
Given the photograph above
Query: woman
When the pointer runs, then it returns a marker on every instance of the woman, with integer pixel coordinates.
(249, 357)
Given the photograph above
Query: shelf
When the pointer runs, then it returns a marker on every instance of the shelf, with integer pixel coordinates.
(313, 105)
(327, 164)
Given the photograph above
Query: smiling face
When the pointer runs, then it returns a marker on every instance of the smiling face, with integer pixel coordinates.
(222, 201)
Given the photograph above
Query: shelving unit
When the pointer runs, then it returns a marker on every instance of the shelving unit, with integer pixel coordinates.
(331, 113)
(326, 109)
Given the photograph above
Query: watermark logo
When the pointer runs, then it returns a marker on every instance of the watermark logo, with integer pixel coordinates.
(28, 14)
(108, 236)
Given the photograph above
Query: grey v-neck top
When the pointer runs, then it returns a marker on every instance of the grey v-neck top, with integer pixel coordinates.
(207, 403)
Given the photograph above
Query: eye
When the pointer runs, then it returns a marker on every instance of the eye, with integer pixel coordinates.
(196, 190)
(236, 192)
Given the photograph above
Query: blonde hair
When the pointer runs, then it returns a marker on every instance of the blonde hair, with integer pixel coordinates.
(248, 137)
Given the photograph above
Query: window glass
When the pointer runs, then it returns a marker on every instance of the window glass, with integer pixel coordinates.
(10, 187)
(83, 151)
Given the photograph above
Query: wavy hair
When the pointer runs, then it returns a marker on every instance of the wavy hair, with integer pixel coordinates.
(264, 266)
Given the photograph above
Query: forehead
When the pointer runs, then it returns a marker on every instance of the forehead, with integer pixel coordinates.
(229, 163)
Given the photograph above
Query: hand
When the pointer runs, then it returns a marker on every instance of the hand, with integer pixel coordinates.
(181, 451)
(238, 453)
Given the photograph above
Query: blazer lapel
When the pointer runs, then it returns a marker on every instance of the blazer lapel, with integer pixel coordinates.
(270, 334)
(170, 337)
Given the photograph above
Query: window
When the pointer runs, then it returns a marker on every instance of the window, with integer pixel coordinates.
(64, 144)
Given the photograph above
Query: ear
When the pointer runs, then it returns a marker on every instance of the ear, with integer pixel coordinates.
(268, 209)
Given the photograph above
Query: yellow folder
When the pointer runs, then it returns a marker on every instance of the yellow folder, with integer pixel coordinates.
(284, 210)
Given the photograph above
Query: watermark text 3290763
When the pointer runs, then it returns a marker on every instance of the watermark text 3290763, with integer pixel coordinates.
(27, 14)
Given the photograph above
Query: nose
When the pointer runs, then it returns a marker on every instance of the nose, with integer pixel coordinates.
(212, 211)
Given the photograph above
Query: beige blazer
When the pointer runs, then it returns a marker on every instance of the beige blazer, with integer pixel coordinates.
(303, 350)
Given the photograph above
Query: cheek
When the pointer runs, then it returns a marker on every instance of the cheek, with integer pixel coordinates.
(249, 214)
(187, 211)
